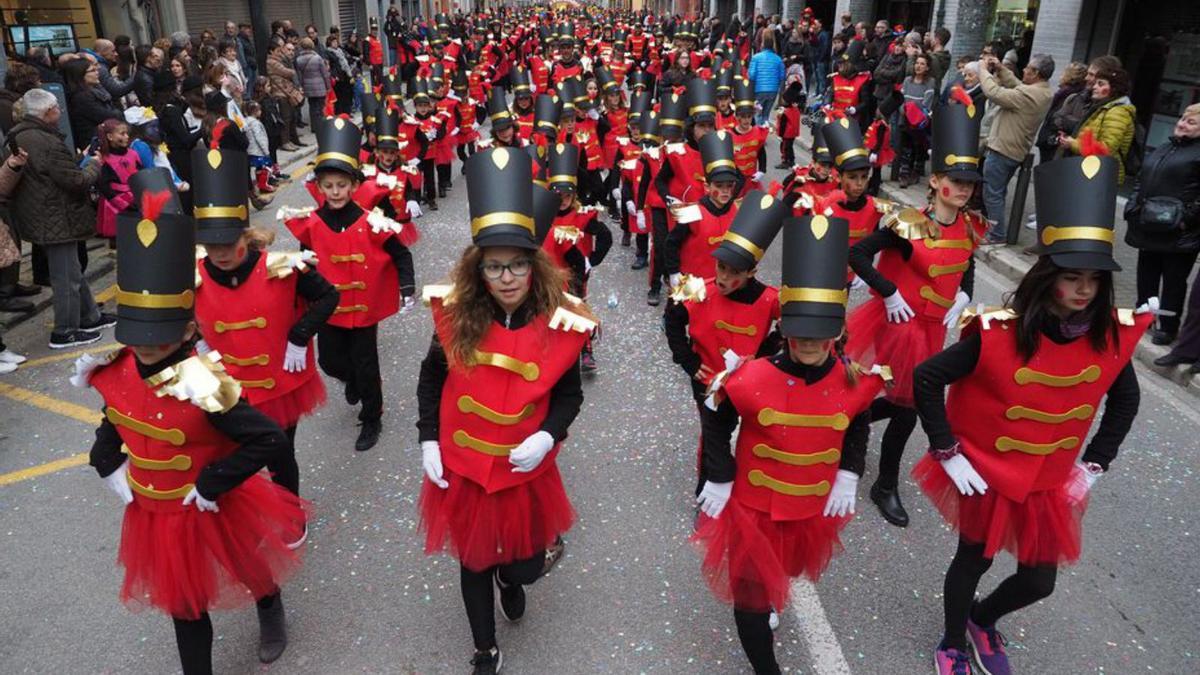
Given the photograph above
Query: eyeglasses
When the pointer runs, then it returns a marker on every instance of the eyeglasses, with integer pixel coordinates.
(518, 268)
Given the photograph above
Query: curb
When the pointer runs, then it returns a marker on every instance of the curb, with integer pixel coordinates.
(1011, 264)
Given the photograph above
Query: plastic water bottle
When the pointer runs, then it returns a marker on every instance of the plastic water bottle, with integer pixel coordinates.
(612, 300)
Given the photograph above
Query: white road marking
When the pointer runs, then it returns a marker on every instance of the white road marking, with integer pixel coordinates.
(823, 646)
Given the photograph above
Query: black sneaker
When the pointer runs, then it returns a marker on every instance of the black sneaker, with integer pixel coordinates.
(368, 436)
(487, 663)
(640, 263)
(587, 363)
(625, 238)
(73, 339)
(351, 394)
(510, 598)
(653, 297)
(106, 320)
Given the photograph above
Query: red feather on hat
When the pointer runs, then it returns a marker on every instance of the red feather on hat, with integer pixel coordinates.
(153, 203)
(957, 93)
(1089, 145)
(330, 99)
(828, 201)
(218, 132)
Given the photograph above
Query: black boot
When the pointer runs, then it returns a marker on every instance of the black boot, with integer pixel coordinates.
(351, 394)
(441, 192)
(272, 633)
(368, 436)
(640, 263)
(625, 237)
(888, 501)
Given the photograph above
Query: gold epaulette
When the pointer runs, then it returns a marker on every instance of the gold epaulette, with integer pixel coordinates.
(588, 209)
(381, 224)
(566, 320)
(910, 224)
(293, 212)
(886, 206)
(281, 264)
(200, 380)
(438, 291)
(567, 233)
(690, 288)
(883, 372)
(1126, 317)
(985, 316)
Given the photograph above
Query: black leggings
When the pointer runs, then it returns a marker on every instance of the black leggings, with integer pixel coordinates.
(658, 260)
(902, 421)
(1025, 587)
(479, 596)
(1165, 275)
(443, 174)
(754, 631)
(284, 470)
(194, 640)
(429, 180)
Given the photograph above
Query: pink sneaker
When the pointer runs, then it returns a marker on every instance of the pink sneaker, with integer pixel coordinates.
(950, 661)
(988, 645)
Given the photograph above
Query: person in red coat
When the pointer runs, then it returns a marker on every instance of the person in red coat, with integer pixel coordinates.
(258, 310)
(774, 509)
(734, 315)
(363, 255)
(651, 205)
(920, 286)
(432, 125)
(498, 391)
(850, 201)
(1008, 466)
(699, 227)
(202, 528)
(787, 126)
(878, 141)
(749, 139)
(807, 184)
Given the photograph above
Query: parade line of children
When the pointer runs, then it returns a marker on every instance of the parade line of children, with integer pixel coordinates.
(219, 363)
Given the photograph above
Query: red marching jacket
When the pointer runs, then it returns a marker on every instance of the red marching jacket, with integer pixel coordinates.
(745, 150)
(878, 140)
(618, 121)
(1022, 424)
(717, 324)
(249, 326)
(695, 254)
(569, 231)
(787, 125)
(687, 182)
(848, 92)
(862, 222)
(651, 162)
(791, 437)
(443, 147)
(355, 262)
(931, 277)
(588, 141)
(491, 407)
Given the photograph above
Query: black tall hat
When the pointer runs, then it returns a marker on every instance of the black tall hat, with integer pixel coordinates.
(538, 155)
(724, 78)
(605, 79)
(641, 79)
(437, 75)
(545, 35)
(387, 127)
(1075, 202)
(753, 229)
(743, 95)
(956, 140)
(702, 100)
(497, 109)
(522, 83)
(547, 109)
(545, 209)
(156, 264)
(370, 106)
(220, 195)
(459, 83)
(158, 179)
(716, 152)
(891, 104)
(393, 88)
(845, 143)
(673, 110)
(639, 104)
(419, 89)
(813, 295)
(648, 124)
(854, 53)
(564, 167)
(820, 151)
(566, 33)
(569, 94)
(500, 198)
(338, 143)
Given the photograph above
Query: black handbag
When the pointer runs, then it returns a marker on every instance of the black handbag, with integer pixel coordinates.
(1161, 214)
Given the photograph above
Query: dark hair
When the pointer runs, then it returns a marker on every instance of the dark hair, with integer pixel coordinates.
(226, 43)
(942, 34)
(1117, 78)
(1034, 295)
(73, 73)
(141, 53)
(21, 77)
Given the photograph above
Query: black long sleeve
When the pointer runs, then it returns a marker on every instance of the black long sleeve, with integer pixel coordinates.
(108, 178)
(1120, 408)
(643, 184)
(675, 239)
(106, 455)
(259, 439)
(403, 260)
(675, 325)
(854, 444)
(862, 258)
(602, 242)
(716, 432)
(662, 182)
(322, 299)
(930, 379)
(762, 158)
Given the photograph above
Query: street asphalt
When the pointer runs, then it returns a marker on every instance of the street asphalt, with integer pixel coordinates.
(628, 596)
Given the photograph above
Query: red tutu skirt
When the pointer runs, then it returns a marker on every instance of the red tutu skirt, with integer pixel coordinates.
(750, 560)
(483, 530)
(287, 410)
(871, 339)
(1045, 529)
(188, 562)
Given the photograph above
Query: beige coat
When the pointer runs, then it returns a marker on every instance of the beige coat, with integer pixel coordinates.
(1020, 110)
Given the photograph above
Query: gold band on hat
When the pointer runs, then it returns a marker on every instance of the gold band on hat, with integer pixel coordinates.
(503, 113)
(339, 156)
(564, 178)
(856, 152)
(744, 243)
(387, 138)
(1052, 234)
(147, 300)
(501, 218)
(708, 168)
(206, 212)
(961, 159)
(805, 294)
(702, 109)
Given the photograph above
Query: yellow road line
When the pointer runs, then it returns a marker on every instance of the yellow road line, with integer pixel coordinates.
(43, 469)
(69, 356)
(106, 294)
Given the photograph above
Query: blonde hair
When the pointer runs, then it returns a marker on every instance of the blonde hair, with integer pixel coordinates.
(1192, 110)
(257, 238)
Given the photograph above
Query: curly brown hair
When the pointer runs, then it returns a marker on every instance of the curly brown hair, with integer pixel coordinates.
(468, 307)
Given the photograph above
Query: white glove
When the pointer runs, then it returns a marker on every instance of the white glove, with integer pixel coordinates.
(295, 358)
(529, 454)
(671, 201)
(641, 220)
(413, 163)
(842, 496)
(616, 194)
(713, 497)
(1081, 483)
(952, 315)
(897, 309)
(758, 176)
(409, 303)
(873, 157)
(851, 110)
(202, 347)
(431, 135)
(202, 504)
(414, 209)
(630, 206)
(857, 283)
(674, 279)
(85, 365)
(431, 461)
(593, 114)
(117, 482)
(474, 126)
(965, 478)
(453, 133)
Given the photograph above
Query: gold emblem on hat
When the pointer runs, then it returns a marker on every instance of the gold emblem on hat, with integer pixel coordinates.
(766, 202)
(1090, 166)
(819, 225)
(147, 232)
(214, 158)
(500, 158)
(338, 123)
(844, 122)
